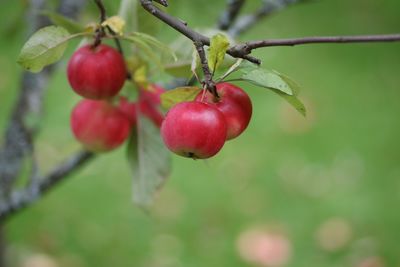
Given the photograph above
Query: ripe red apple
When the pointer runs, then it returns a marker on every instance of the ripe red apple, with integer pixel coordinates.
(96, 72)
(194, 129)
(98, 125)
(234, 103)
(149, 103)
(129, 109)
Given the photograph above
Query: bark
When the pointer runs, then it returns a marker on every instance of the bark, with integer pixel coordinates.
(2, 247)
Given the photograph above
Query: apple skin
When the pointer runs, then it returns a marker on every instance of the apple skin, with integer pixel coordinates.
(194, 129)
(149, 103)
(96, 73)
(129, 109)
(99, 126)
(234, 103)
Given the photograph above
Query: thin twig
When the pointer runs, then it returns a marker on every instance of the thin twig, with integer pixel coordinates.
(100, 32)
(103, 15)
(183, 28)
(248, 46)
(208, 82)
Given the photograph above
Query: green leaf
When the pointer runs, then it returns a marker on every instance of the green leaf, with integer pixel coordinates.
(277, 82)
(267, 79)
(67, 23)
(179, 69)
(219, 43)
(150, 161)
(293, 85)
(294, 102)
(232, 69)
(147, 50)
(45, 47)
(152, 41)
(177, 95)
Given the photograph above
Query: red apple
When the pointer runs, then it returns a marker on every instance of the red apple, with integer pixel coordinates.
(194, 129)
(234, 103)
(149, 103)
(96, 72)
(99, 126)
(129, 109)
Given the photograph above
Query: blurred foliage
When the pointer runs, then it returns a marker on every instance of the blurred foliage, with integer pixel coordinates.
(329, 183)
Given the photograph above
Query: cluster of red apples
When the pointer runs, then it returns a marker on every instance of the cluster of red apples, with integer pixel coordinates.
(198, 129)
(102, 121)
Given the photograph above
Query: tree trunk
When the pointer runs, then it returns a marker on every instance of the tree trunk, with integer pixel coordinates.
(2, 246)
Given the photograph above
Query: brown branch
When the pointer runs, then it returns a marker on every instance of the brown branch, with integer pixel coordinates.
(103, 15)
(19, 134)
(183, 28)
(27, 112)
(26, 197)
(208, 82)
(246, 48)
(100, 33)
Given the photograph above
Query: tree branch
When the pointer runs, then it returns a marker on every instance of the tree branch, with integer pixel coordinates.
(182, 27)
(229, 15)
(208, 82)
(19, 134)
(103, 15)
(24, 198)
(27, 111)
(247, 47)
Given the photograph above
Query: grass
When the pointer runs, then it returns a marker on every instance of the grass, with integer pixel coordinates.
(284, 172)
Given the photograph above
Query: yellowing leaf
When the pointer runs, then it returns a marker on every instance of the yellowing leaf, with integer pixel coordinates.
(91, 27)
(218, 45)
(117, 24)
(177, 95)
(140, 76)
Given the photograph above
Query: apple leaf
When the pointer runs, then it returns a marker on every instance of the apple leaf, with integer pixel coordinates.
(147, 50)
(179, 69)
(219, 43)
(152, 41)
(292, 99)
(116, 24)
(150, 161)
(293, 85)
(295, 102)
(232, 69)
(177, 95)
(268, 79)
(44, 47)
(65, 22)
(273, 80)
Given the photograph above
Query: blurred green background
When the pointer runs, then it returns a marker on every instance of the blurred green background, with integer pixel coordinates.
(321, 191)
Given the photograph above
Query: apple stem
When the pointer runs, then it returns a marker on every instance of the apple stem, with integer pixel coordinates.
(101, 33)
(208, 83)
